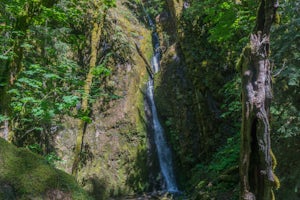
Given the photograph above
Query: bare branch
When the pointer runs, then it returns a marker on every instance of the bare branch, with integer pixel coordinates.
(281, 69)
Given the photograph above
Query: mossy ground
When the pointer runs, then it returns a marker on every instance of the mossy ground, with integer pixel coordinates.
(29, 176)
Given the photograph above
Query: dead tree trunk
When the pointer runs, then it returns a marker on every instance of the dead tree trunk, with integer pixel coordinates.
(256, 159)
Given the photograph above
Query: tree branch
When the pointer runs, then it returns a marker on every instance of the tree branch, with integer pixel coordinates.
(148, 66)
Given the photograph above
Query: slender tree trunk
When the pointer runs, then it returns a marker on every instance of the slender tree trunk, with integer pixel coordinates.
(94, 42)
(256, 159)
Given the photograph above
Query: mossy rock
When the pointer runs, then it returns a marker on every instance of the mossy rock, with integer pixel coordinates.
(25, 175)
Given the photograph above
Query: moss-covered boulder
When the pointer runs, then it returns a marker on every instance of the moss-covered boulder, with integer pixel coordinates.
(25, 175)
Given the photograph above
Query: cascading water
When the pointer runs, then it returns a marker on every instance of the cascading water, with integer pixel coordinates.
(163, 151)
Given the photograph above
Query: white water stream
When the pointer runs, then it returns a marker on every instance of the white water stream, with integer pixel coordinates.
(163, 151)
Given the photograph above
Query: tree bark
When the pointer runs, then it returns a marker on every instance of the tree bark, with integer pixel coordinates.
(148, 66)
(256, 159)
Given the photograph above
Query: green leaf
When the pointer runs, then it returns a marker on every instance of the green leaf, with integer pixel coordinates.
(36, 148)
(38, 112)
(28, 99)
(101, 70)
(27, 46)
(14, 92)
(86, 119)
(3, 57)
(3, 118)
(31, 82)
(293, 82)
(52, 76)
(71, 100)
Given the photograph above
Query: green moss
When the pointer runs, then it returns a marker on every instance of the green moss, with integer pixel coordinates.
(118, 163)
(31, 176)
(243, 59)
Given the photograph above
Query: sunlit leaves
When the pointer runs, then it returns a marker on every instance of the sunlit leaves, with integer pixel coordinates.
(49, 42)
(41, 93)
(3, 118)
(35, 84)
(101, 70)
(69, 101)
(56, 14)
(109, 3)
(4, 57)
(86, 119)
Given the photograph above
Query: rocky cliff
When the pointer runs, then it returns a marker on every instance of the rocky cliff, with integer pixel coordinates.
(114, 154)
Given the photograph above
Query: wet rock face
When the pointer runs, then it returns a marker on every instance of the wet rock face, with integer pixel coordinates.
(184, 105)
(114, 151)
(111, 142)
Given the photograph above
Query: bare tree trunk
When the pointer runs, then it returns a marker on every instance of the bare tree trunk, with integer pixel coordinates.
(257, 159)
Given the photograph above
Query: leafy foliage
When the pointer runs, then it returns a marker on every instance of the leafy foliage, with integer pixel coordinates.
(45, 50)
(40, 93)
(51, 157)
(155, 7)
(218, 178)
(213, 34)
(286, 60)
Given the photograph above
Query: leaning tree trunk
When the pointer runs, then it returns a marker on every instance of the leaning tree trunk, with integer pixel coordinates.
(257, 161)
(94, 42)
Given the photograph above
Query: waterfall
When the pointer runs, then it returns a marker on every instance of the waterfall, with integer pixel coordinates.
(163, 151)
